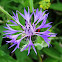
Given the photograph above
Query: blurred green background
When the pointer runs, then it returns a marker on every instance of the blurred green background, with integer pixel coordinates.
(51, 54)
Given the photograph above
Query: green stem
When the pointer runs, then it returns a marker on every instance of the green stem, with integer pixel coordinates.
(5, 12)
(31, 5)
(40, 59)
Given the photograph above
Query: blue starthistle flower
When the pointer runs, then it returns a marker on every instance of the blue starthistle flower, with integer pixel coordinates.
(29, 29)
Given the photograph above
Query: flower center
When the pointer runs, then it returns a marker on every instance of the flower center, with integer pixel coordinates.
(29, 29)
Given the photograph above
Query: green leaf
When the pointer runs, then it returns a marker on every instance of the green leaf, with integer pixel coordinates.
(2, 53)
(22, 56)
(21, 19)
(5, 58)
(56, 6)
(5, 48)
(33, 55)
(50, 60)
(52, 53)
(40, 43)
(57, 47)
(24, 3)
(1, 32)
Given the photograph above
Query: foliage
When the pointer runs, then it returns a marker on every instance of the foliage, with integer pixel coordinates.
(51, 54)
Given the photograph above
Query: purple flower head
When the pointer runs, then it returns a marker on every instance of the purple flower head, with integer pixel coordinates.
(29, 30)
